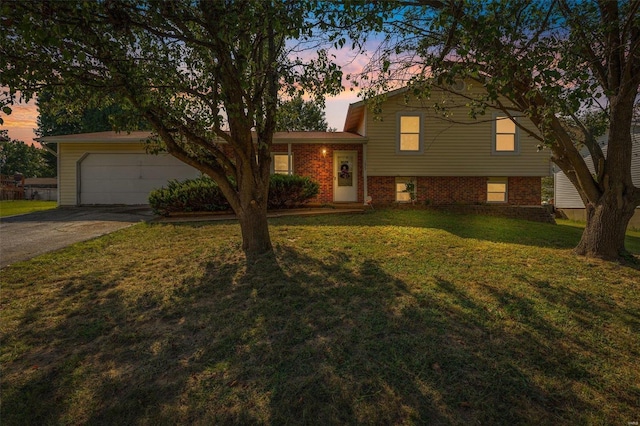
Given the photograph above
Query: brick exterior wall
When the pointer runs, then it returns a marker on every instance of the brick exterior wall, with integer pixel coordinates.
(309, 161)
(525, 191)
(438, 190)
(434, 190)
(451, 190)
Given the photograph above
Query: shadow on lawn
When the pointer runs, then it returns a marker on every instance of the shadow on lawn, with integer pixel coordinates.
(276, 344)
(464, 226)
(479, 227)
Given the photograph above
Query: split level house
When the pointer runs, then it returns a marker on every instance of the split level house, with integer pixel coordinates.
(445, 157)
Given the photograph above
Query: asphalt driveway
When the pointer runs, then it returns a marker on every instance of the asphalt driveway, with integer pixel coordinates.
(30, 235)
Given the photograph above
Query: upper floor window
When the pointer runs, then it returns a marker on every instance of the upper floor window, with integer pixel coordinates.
(280, 164)
(505, 135)
(410, 133)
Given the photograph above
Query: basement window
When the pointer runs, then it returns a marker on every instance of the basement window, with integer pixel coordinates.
(497, 190)
(405, 189)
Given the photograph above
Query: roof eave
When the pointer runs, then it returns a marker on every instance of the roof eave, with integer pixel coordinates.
(99, 137)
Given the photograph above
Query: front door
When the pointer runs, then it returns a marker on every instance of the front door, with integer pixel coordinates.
(345, 176)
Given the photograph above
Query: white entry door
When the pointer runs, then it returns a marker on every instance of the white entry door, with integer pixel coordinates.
(345, 176)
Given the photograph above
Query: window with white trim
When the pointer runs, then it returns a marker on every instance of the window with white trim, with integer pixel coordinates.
(280, 164)
(505, 135)
(405, 189)
(410, 133)
(497, 190)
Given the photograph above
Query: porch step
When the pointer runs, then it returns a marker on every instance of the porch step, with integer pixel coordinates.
(349, 206)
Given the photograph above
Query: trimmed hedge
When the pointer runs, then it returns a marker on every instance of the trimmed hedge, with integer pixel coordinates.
(191, 195)
(203, 195)
(288, 191)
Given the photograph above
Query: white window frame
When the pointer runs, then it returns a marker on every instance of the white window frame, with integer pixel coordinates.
(516, 135)
(289, 170)
(420, 149)
(499, 181)
(402, 196)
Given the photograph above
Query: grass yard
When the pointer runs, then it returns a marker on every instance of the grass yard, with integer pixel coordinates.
(632, 232)
(388, 317)
(14, 207)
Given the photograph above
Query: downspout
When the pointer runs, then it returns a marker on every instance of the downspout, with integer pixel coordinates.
(364, 172)
(364, 159)
(289, 162)
(58, 168)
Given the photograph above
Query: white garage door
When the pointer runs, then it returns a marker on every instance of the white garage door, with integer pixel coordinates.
(127, 178)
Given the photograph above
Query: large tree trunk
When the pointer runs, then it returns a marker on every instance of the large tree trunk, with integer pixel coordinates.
(604, 233)
(609, 215)
(250, 207)
(255, 230)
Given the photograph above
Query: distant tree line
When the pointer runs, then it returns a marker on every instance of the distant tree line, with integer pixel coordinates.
(17, 157)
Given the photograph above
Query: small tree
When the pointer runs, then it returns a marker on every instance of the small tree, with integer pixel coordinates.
(410, 188)
(200, 73)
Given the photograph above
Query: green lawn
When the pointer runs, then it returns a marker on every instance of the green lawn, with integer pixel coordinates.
(14, 207)
(631, 243)
(388, 317)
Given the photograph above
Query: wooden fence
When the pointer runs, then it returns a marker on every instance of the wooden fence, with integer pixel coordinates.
(12, 187)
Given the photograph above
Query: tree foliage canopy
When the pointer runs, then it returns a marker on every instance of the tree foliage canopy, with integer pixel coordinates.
(57, 117)
(18, 157)
(200, 73)
(298, 115)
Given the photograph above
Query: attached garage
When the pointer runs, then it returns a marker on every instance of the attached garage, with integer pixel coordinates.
(109, 178)
(112, 168)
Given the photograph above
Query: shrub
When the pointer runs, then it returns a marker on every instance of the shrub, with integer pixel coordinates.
(203, 195)
(191, 195)
(288, 191)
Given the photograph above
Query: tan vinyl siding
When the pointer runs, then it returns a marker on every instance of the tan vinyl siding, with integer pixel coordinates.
(450, 149)
(71, 153)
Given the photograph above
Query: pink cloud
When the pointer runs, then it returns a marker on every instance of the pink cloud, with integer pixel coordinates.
(21, 122)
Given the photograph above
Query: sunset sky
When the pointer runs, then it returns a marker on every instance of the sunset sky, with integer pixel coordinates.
(22, 120)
